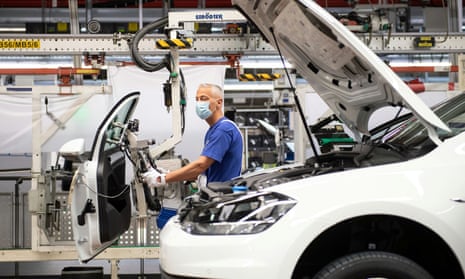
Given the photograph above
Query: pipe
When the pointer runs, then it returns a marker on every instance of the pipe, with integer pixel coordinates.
(74, 28)
(50, 71)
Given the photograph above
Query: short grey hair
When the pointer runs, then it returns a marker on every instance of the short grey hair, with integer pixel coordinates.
(216, 89)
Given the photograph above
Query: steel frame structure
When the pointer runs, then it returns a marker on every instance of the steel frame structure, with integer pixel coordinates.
(207, 44)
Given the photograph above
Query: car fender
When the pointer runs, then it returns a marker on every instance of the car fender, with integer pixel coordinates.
(415, 190)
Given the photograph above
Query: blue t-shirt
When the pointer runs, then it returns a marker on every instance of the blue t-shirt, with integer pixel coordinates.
(223, 143)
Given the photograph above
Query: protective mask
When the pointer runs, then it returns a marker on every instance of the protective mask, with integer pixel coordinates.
(202, 109)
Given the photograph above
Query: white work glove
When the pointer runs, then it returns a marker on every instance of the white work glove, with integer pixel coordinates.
(162, 170)
(153, 178)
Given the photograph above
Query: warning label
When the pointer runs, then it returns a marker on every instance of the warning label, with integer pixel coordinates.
(19, 43)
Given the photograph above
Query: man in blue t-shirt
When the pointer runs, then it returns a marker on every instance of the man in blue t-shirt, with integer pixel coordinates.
(221, 157)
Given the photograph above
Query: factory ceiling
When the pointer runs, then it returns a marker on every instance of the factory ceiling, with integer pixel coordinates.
(189, 3)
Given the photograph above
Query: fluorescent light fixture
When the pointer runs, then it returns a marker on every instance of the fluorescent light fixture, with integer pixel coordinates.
(263, 63)
(419, 64)
(12, 29)
(246, 86)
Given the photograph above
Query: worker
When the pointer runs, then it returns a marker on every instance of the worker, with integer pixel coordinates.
(221, 157)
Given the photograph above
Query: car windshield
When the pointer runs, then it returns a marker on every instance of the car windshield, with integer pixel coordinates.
(411, 132)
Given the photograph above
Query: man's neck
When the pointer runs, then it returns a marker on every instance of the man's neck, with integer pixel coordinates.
(215, 117)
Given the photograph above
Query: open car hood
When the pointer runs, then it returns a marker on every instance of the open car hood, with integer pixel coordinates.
(347, 75)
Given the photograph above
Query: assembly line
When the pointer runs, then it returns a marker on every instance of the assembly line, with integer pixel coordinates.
(175, 151)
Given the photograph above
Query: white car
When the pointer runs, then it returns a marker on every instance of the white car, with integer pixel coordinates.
(392, 205)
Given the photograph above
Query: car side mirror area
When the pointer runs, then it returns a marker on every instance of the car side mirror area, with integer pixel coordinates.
(72, 153)
(73, 150)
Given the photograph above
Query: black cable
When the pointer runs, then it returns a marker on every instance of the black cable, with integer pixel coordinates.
(183, 105)
(387, 128)
(152, 201)
(134, 50)
(297, 102)
(365, 155)
(128, 155)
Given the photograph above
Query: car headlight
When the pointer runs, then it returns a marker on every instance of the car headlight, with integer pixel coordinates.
(248, 214)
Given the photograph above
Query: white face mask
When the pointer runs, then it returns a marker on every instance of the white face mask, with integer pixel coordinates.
(202, 109)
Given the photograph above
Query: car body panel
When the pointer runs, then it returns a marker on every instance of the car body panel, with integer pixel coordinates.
(354, 82)
(347, 75)
(410, 191)
(100, 198)
(331, 59)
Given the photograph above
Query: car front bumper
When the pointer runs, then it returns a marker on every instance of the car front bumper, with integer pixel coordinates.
(165, 275)
(262, 255)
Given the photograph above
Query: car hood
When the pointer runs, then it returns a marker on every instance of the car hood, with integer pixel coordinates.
(347, 75)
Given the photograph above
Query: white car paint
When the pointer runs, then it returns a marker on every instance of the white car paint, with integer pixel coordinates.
(428, 190)
(414, 190)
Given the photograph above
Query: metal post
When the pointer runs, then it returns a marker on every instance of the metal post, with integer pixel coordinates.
(171, 142)
(36, 164)
(141, 8)
(74, 28)
(16, 225)
(299, 134)
(114, 268)
(88, 11)
(455, 25)
(246, 147)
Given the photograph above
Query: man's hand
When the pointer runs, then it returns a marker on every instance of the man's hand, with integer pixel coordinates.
(153, 178)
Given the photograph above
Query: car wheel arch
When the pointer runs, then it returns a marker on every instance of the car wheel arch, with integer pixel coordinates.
(395, 234)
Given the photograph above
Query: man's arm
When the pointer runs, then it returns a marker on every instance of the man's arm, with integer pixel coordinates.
(190, 171)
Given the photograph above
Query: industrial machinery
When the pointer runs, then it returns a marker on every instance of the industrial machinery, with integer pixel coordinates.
(118, 140)
(99, 187)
